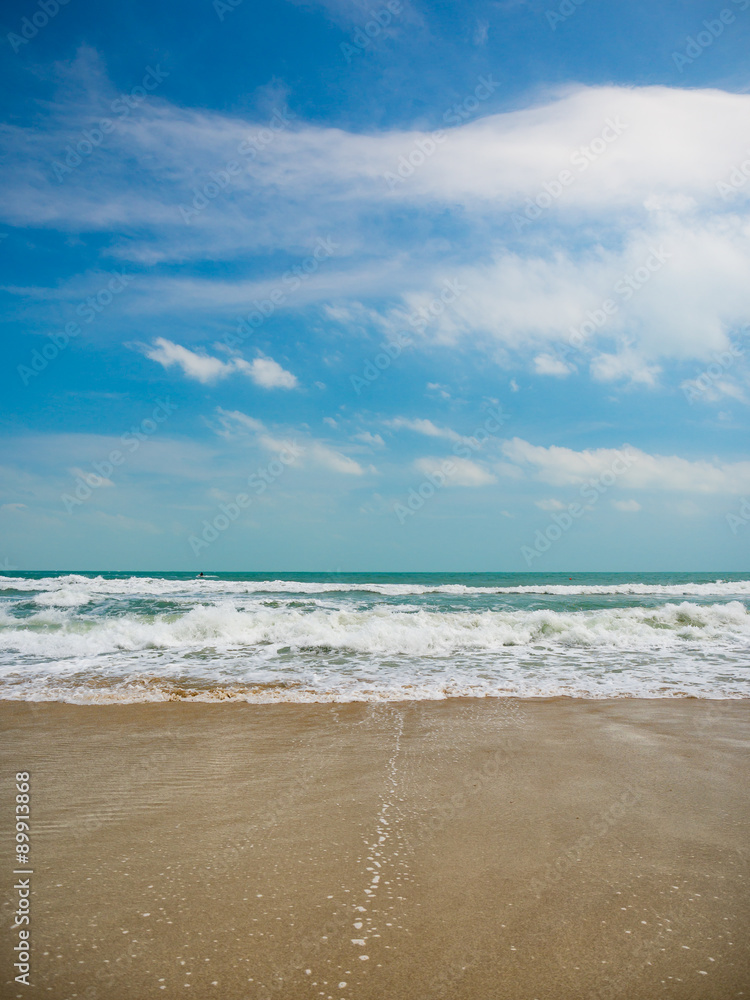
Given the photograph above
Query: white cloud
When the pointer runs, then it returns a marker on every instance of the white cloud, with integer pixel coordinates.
(632, 468)
(435, 388)
(627, 506)
(230, 418)
(268, 373)
(625, 365)
(546, 364)
(90, 477)
(264, 372)
(198, 366)
(329, 458)
(463, 471)
(302, 449)
(508, 470)
(425, 427)
(549, 504)
(373, 440)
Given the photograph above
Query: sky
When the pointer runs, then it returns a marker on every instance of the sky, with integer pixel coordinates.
(394, 286)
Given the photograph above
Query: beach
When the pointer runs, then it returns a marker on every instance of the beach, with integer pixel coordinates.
(465, 848)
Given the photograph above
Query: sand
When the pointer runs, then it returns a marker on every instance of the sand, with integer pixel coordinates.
(460, 849)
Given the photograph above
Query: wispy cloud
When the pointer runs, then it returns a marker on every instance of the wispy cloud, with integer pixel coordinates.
(304, 449)
(636, 469)
(463, 472)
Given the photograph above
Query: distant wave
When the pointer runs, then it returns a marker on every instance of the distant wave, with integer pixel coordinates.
(72, 589)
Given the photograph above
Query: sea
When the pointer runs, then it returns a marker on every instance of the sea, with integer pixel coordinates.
(88, 638)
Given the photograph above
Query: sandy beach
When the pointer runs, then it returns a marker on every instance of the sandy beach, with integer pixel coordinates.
(460, 849)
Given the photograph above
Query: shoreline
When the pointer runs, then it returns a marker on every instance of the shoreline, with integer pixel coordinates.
(469, 848)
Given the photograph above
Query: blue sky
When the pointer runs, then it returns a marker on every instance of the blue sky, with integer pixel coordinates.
(407, 286)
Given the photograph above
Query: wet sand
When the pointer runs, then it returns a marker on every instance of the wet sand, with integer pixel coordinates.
(464, 849)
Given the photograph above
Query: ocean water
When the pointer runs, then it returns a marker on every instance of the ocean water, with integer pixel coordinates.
(116, 637)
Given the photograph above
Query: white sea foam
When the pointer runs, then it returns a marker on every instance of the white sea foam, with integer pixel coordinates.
(243, 648)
